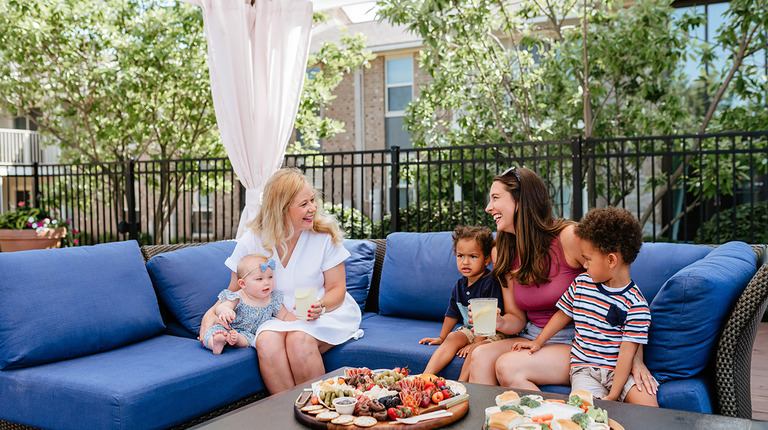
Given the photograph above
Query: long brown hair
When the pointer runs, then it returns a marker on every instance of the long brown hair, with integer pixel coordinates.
(272, 224)
(535, 228)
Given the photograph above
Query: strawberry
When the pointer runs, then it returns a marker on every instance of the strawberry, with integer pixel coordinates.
(399, 412)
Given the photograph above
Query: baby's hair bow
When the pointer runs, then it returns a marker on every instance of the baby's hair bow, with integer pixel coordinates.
(269, 264)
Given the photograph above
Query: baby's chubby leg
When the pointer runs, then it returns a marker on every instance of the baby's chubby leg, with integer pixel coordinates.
(218, 340)
(236, 339)
(232, 337)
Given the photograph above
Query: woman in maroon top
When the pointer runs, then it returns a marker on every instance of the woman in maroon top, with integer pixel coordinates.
(536, 257)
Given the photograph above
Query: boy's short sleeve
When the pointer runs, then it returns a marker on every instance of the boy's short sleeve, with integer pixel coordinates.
(637, 324)
(565, 303)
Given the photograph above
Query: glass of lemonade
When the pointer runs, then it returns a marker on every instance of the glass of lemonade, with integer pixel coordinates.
(484, 316)
(305, 297)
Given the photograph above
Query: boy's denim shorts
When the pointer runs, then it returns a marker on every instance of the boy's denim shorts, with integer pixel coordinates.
(564, 336)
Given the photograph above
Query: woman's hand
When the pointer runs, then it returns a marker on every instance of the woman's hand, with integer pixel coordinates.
(209, 318)
(226, 317)
(314, 311)
(642, 375)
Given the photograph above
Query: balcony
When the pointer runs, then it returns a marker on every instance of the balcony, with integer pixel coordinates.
(25, 147)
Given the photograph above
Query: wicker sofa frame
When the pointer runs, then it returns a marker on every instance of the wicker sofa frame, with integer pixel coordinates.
(733, 357)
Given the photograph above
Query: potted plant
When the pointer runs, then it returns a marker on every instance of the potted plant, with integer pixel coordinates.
(27, 228)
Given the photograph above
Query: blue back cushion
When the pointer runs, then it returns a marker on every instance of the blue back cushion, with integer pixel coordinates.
(657, 262)
(359, 268)
(64, 303)
(688, 312)
(190, 279)
(418, 275)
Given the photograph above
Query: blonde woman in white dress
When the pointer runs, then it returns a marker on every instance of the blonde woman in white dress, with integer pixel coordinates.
(306, 243)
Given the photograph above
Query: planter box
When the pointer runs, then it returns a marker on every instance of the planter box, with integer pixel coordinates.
(23, 240)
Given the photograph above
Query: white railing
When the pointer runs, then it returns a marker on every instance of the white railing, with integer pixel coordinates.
(25, 147)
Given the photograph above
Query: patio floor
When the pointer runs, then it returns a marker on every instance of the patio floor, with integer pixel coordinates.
(760, 374)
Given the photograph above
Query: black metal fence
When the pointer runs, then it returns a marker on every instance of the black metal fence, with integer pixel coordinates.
(693, 188)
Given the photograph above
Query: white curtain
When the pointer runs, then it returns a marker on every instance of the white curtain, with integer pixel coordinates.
(257, 57)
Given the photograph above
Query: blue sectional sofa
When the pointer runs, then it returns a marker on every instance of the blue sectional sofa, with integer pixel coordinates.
(92, 337)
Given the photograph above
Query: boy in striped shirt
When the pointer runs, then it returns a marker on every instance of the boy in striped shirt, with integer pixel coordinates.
(609, 311)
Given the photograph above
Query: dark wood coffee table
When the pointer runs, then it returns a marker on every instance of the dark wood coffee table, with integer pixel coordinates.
(276, 412)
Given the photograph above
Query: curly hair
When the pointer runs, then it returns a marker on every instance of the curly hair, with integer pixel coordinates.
(482, 235)
(610, 230)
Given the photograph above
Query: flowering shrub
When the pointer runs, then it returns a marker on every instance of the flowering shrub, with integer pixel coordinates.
(26, 217)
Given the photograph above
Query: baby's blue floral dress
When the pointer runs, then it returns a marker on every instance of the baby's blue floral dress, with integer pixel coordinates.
(247, 318)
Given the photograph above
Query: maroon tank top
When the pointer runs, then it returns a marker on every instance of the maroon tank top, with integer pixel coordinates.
(538, 300)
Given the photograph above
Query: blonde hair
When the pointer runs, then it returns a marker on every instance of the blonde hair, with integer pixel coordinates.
(272, 224)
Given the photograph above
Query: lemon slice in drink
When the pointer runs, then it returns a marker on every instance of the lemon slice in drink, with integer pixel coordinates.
(480, 312)
(303, 293)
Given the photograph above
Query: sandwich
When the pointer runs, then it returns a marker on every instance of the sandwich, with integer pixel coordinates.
(507, 398)
(507, 420)
(584, 395)
(563, 424)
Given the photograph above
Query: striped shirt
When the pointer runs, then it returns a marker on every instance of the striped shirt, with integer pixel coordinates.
(604, 317)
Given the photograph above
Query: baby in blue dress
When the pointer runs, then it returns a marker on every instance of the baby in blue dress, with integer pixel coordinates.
(241, 312)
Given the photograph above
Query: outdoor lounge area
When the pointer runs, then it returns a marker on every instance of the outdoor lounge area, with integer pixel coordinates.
(130, 358)
(147, 135)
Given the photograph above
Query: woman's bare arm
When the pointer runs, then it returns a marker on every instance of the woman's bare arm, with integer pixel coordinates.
(209, 318)
(514, 319)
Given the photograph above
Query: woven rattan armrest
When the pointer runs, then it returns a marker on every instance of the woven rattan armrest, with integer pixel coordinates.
(149, 251)
(734, 352)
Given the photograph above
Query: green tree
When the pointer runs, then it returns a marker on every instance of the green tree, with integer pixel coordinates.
(327, 68)
(505, 71)
(112, 80)
(115, 80)
(736, 101)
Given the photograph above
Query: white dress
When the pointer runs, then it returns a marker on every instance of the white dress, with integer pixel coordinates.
(314, 254)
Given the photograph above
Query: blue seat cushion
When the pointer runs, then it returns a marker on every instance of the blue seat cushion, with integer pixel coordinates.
(189, 280)
(359, 268)
(657, 262)
(688, 312)
(418, 275)
(692, 394)
(65, 303)
(390, 342)
(154, 384)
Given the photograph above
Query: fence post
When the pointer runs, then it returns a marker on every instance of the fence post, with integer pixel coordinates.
(577, 208)
(394, 198)
(36, 197)
(130, 190)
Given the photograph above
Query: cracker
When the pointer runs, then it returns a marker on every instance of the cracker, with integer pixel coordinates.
(365, 421)
(327, 415)
(343, 420)
(318, 411)
(309, 408)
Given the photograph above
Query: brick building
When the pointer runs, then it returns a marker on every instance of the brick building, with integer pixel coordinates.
(371, 102)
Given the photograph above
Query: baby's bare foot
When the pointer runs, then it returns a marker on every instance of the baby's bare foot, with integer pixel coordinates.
(232, 337)
(218, 340)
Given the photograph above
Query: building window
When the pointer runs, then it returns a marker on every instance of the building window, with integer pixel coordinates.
(202, 216)
(22, 123)
(399, 92)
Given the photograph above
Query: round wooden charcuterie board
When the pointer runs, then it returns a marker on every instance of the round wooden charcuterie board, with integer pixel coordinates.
(458, 411)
